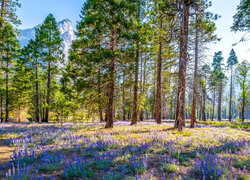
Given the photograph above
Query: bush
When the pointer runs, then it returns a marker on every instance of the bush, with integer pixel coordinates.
(49, 167)
(78, 171)
(170, 168)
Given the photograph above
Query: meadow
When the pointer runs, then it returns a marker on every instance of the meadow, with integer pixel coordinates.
(212, 150)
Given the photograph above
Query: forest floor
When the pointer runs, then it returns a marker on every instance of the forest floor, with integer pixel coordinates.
(212, 150)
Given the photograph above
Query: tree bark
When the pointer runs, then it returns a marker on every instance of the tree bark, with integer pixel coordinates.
(1, 108)
(204, 103)
(99, 97)
(7, 91)
(158, 82)
(111, 88)
(180, 106)
(37, 94)
(213, 104)
(231, 94)
(193, 117)
(219, 101)
(48, 92)
(243, 102)
(3, 6)
(123, 99)
(135, 101)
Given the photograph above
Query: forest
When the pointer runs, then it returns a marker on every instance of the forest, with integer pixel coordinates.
(136, 98)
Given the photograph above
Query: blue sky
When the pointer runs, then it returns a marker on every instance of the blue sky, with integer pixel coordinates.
(33, 12)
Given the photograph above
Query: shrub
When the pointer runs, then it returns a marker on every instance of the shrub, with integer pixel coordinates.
(170, 168)
(49, 167)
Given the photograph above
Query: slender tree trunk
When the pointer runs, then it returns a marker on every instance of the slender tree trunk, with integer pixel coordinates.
(129, 105)
(43, 110)
(99, 97)
(7, 92)
(243, 104)
(180, 107)
(213, 104)
(3, 6)
(137, 58)
(135, 101)
(143, 88)
(1, 108)
(158, 82)
(123, 99)
(220, 101)
(19, 114)
(111, 88)
(37, 94)
(195, 78)
(48, 92)
(204, 103)
(231, 94)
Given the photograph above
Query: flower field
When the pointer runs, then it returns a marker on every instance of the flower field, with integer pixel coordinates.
(145, 151)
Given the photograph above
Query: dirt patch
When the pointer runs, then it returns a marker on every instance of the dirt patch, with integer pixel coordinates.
(5, 153)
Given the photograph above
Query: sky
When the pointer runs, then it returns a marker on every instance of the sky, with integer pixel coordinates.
(33, 12)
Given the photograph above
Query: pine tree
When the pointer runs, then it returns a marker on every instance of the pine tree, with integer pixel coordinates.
(241, 18)
(21, 84)
(204, 28)
(105, 34)
(218, 71)
(242, 73)
(9, 46)
(33, 54)
(181, 94)
(8, 14)
(50, 42)
(231, 61)
(137, 58)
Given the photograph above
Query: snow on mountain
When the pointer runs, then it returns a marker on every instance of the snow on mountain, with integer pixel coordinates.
(65, 28)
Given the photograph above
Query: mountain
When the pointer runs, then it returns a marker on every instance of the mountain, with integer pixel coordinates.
(65, 28)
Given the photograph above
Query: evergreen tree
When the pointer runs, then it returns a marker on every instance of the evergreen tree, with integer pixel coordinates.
(241, 18)
(204, 28)
(102, 32)
(21, 84)
(33, 55)
(218, 71)
(8, 12)
(9, 46)
(242, 73)
(231, 61)
(181, 93)
(50, 44)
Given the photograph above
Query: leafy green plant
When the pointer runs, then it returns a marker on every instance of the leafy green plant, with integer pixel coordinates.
(170, 168)
(49, 167)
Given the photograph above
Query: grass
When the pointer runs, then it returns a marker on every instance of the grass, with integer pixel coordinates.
(144, 151)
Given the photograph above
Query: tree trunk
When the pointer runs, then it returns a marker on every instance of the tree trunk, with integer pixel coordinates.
(195, 79)
(135, 107)
(111, 88)
(220, 101)
(37, 94)
(1, 108)
(7, 92)
(158, 82)
(99, 97)
(180, 106)
(48, 92)
(243, 104)
(213, 105)
(231, 94)
(204, 103)
(123, 99)
(3, 6)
